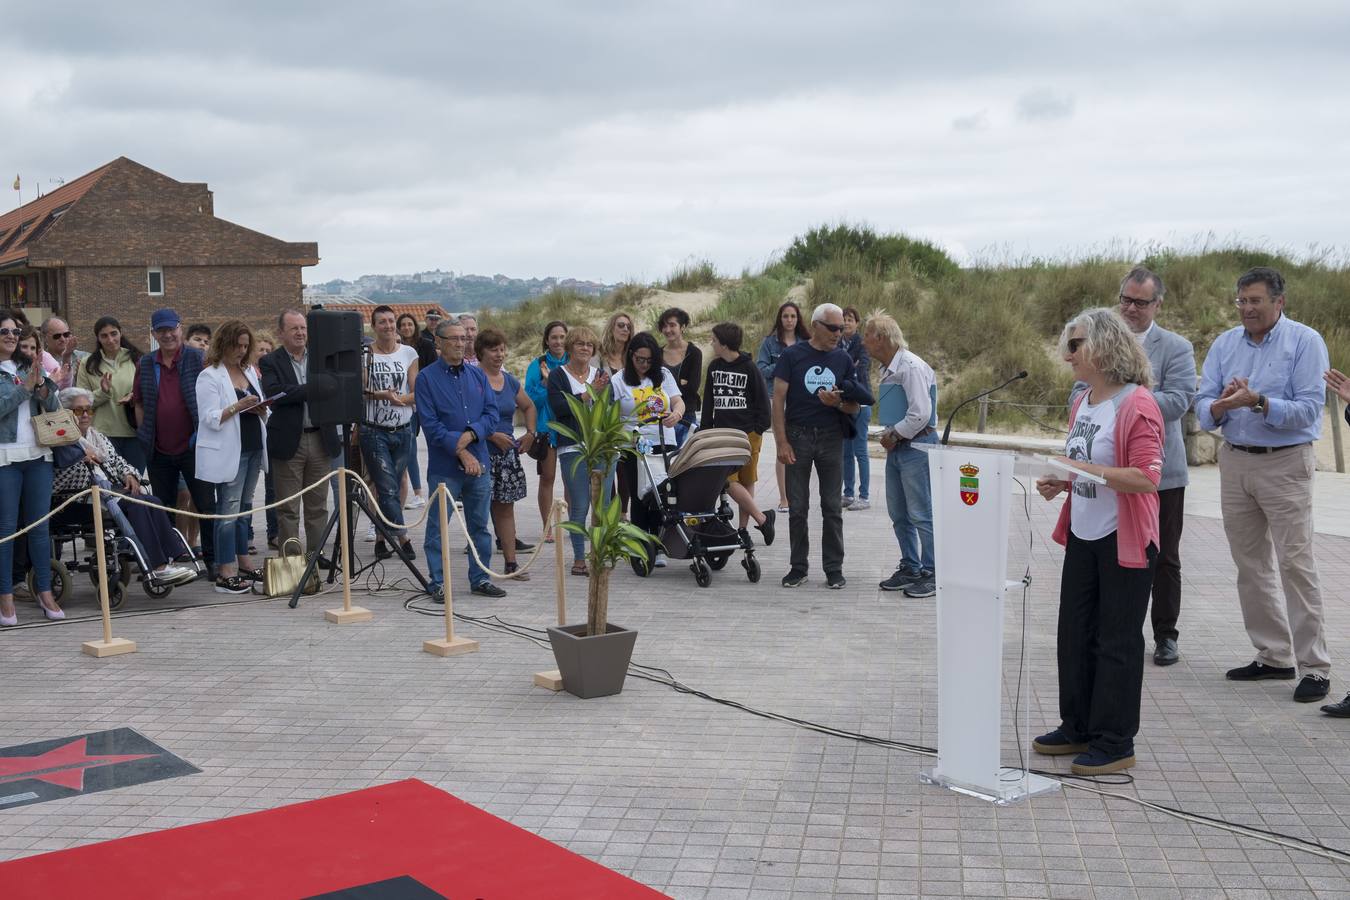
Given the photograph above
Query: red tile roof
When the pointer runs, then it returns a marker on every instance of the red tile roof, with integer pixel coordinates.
(418, 310)
(35, 214)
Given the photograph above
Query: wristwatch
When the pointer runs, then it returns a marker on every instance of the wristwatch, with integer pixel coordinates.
(1259, 407)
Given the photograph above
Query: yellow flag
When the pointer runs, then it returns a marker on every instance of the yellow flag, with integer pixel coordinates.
(16, 182)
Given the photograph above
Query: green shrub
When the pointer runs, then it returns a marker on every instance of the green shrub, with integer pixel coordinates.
(888, 253)
(692, 276)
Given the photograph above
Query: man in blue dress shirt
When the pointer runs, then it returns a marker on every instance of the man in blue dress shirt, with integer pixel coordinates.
(455, 405)
(1262, 385)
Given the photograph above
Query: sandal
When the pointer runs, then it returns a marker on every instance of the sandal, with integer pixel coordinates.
(579, 568)
(512, 568)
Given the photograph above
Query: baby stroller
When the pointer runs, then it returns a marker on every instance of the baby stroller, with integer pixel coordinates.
(74, 526)
(688, 488)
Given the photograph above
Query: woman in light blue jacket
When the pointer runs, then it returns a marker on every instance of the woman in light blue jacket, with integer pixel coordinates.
(25, 469)
(788, 329)
(536, 388)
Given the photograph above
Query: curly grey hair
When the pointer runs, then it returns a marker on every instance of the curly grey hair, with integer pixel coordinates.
(69, 395)
(1110, 347)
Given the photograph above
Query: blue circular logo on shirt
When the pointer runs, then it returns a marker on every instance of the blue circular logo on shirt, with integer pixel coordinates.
(818, 377)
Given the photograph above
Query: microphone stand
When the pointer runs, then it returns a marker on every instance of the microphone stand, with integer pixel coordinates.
(947, 432)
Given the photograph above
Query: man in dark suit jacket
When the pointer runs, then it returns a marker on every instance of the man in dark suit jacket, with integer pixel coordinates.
(300, 453)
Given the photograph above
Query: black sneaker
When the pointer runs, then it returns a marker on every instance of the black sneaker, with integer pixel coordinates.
(924, 587)
(487, 589)
(900, 579)
(794, 579)
(521, 546)
(382, 550)
(1312, 687)
(766, 530)
(408, 551)
(1099, 762)
(232, 585)
(1057, 743)
(835, 580)
(1255, 671)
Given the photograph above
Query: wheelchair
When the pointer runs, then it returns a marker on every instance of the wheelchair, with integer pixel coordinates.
(73, 550)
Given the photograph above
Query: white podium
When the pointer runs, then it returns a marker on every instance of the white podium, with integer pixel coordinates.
(972, 498)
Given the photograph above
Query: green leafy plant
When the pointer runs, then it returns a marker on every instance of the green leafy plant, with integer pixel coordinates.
(602, 437)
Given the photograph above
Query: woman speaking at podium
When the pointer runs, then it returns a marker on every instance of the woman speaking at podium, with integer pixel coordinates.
(1109, 529)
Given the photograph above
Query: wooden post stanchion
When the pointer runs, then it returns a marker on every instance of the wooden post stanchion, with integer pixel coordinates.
(552, 679)
(109, 646)
(449, 645)
(348, 613)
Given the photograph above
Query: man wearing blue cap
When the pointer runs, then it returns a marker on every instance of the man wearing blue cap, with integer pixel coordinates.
(165, 397)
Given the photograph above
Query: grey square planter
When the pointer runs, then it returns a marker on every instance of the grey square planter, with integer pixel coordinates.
(592, 666)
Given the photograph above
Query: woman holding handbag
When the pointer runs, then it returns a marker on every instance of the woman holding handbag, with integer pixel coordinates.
(109, 374)
(25, 468)
(231, 437)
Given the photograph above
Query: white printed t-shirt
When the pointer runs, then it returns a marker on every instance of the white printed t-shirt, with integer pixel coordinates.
(389, 372)
(1092, 513)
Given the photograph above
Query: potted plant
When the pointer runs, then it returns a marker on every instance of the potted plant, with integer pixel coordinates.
(593, 658)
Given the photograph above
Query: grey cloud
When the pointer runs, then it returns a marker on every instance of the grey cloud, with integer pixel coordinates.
(977, 121)
(1044, 105)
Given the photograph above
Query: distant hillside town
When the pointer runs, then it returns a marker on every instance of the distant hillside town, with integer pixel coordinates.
(445, 288)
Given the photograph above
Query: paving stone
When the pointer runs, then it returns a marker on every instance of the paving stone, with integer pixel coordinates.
(695, 798)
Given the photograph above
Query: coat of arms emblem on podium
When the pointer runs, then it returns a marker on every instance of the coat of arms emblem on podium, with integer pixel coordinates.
(970, 484)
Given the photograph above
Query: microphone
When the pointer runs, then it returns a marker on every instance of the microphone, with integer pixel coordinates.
(947, 432)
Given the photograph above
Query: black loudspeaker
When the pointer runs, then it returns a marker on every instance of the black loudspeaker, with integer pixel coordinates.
(334, 372)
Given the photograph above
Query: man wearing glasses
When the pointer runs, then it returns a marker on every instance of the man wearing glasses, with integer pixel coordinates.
(814, 391)
(1173, 361)
(61, 342)
(458, 413)
(1262, 385)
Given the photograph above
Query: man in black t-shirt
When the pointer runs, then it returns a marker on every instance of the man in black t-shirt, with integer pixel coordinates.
(814, 398)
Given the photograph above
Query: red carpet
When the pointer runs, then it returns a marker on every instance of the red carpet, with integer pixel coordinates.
(403, 829)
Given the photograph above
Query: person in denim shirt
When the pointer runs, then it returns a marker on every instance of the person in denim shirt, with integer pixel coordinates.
(459, 412)
(25, 469)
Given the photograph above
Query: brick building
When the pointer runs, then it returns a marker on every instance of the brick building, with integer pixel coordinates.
(124, 240)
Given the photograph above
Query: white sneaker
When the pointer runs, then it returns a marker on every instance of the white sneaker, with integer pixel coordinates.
(846, 503)
(370, 533)
(858, 504)
(416, 501)
(172, 574)
(660, 562)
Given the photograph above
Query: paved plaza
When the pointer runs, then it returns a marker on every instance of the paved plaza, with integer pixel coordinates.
(695, 798)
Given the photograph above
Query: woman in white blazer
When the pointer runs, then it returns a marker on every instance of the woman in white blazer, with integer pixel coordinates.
(231, 446)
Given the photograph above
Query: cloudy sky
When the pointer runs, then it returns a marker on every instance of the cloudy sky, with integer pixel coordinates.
(614, 140)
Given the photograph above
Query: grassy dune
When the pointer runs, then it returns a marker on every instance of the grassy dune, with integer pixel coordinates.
(975, 326)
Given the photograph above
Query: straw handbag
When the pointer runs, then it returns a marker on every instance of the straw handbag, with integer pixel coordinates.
(282, 573)
(55, 429)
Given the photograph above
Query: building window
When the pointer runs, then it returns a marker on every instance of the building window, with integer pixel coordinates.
(154, 281)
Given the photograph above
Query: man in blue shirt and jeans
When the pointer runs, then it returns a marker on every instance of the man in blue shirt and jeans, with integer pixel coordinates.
(1262, 384)
(455, 405)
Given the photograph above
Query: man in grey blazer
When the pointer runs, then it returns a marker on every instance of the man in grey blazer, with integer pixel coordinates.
(1174, 387)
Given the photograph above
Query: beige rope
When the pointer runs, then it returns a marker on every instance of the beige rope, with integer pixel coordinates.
(555, 515)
